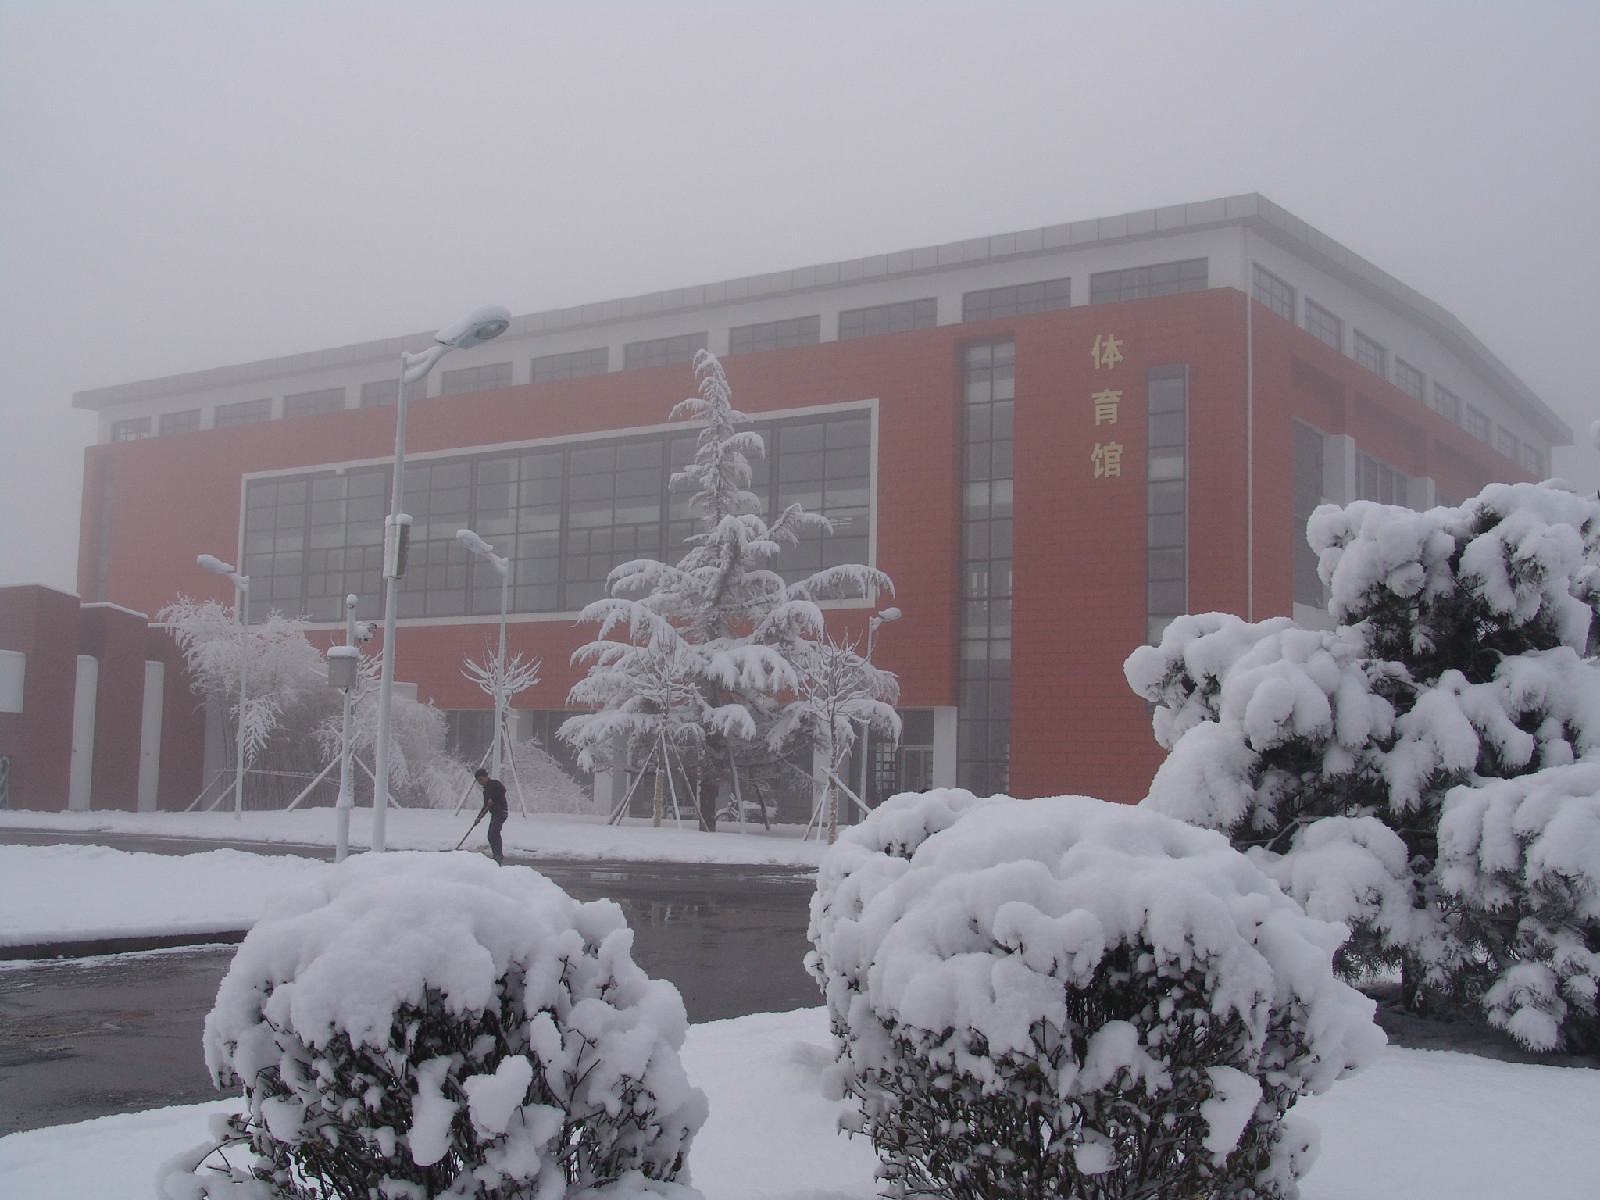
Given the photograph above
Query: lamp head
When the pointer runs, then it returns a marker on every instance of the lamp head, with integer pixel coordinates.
(212, 563)
(478, 326)
(473, 542)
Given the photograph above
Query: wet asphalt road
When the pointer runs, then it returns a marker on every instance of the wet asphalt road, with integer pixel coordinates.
(85, 1037)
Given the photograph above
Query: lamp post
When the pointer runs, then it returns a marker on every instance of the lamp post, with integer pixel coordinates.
(344, 669)
(474, 329)
(877, 619)
(241, 594)
(478, 546)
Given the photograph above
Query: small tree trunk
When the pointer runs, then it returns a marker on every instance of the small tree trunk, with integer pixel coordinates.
(833, 811)
(655, 811)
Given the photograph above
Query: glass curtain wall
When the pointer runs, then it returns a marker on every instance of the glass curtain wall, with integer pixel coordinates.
(983, 730)
(566, 514)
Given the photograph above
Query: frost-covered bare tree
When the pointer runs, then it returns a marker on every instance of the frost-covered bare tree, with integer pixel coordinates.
(292, 717)
(705, 648)
(1427, 772)
(285, 688)
(836, 693)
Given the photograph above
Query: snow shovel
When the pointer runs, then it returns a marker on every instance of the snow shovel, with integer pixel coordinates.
(468, 833)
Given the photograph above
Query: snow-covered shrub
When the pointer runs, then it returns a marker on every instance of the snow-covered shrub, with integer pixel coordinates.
(1065, 997)
(1521, 860)
(433, 1025)
(1458, 662)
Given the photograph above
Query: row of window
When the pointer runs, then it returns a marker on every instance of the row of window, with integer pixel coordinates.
(1279, 296)
(983, 720)
(899, 317)
(565, 514)
(1166, 498)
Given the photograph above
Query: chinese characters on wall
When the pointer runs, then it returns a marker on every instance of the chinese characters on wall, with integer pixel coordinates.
(1106, 457)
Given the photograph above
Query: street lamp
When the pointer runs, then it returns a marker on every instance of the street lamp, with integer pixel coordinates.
(478, 546)
(877, 619)
(477, 327)
(344, 671)
(241, 593)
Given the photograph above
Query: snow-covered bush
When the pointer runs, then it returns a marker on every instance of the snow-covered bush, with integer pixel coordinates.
(433, 1025)
(1065, 997)
(1521, 859)
(1458, 662)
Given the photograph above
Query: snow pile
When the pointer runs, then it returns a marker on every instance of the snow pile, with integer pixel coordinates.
(1344, 760)
(1066, 996)
(86, 893)
(432, 1025)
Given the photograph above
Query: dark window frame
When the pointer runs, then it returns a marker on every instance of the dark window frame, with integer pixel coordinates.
(902, 316)
(1016, 300)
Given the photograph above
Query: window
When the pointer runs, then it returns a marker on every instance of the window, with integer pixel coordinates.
(130, 430)
(1306, 476)
(475, 379)
(1014, 301)
(1446, 403)
(576, 364)
(1166, 498)
(245, 412)
(888, 318)
(1324, 326)
(186, 421)
(662, 352)
(775, 335)
(566, 514)
(1137, 283)
(1370, 354)
(1379, 481)
(303, 404)
(1506, 442)
(1408, 379)
(1533, 461)
(384, 391)
(983, 725)
(1274, 293)
(1476, 423)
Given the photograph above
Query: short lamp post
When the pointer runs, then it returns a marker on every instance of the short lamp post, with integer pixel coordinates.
(474, 329)
(877, 619)
(344, 669)
(241, 596)
(478, 546)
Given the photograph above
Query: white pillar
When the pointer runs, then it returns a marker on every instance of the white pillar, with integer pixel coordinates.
(944, 746)
(155, 680)
(80, 774)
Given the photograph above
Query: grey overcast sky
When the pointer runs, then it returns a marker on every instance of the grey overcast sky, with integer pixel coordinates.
(186, 185)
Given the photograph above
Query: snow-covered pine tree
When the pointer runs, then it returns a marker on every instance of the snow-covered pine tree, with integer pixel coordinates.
(1405, 771)
(711, 642)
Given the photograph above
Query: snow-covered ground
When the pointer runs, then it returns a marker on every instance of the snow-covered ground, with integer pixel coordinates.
(1420, 1125)
(546, 835)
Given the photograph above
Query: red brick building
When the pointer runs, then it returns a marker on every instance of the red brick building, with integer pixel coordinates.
(1052, 441)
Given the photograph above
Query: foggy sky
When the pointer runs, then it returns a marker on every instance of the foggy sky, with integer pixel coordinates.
(190, 185)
